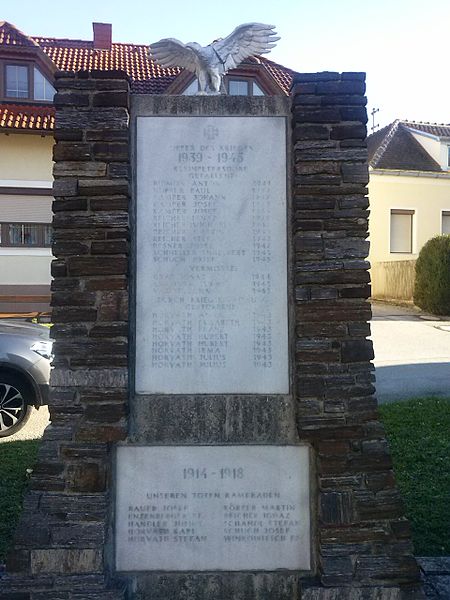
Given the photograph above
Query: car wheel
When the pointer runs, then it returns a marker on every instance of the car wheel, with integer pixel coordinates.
(15, 409)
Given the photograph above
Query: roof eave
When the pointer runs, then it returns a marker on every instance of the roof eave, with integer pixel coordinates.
(29, 131)
(409, 173)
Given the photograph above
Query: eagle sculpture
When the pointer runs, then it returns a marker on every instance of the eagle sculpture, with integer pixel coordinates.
(210, 63)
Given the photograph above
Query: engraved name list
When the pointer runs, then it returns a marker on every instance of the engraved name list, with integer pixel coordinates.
(211, 255)
(234, 507)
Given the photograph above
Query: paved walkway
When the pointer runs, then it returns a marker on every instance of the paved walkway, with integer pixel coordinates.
(412, 352)
(435, 576)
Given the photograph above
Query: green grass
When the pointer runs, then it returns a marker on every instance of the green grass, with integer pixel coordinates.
(15, 459)
(419, 436)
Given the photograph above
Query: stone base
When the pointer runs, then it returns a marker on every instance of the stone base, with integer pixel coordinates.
(216, 586)
(190, 586)
(363, 593)
(53, 587)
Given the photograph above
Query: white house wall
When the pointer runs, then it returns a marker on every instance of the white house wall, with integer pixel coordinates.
(25, 162)
(25, 267)
(26, 157)
(428, 196)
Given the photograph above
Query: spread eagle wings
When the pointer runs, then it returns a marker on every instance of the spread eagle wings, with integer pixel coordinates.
(246, 40)
(170, 52)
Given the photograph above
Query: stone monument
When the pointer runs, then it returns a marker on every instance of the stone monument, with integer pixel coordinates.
(214, 428)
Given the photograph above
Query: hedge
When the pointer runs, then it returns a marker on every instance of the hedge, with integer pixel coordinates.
(432, 283)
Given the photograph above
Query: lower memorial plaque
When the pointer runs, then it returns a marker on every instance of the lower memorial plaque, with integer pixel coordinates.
(208, 508)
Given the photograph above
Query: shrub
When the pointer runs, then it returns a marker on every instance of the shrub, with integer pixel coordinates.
(432, 285)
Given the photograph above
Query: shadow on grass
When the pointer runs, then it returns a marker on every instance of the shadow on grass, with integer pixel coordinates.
(15, 458)
(418, 431)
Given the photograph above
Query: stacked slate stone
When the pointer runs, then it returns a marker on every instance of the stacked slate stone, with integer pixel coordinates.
(63, 537)
(364, 548)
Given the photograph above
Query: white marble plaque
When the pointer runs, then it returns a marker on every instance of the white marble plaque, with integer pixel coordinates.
(203, 508)
(211, 297)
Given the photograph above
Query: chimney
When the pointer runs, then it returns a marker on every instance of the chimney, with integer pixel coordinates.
(102, 36)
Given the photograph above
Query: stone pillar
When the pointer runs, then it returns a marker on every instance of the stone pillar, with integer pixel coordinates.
(62, 542)
(363, 540)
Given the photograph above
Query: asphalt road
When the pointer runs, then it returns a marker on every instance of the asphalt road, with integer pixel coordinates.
(412, 353)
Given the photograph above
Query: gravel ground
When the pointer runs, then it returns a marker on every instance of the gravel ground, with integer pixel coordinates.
(33, 429)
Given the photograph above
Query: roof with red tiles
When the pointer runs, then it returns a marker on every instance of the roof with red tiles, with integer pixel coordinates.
(11, 36)
(146, 76)
(27, 118)
(282, 75)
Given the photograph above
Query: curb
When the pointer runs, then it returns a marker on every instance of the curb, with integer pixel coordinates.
(435, 573)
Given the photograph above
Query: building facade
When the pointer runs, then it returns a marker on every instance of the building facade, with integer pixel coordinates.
(409, 194)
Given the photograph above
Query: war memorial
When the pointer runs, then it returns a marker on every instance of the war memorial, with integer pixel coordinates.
(214, 425)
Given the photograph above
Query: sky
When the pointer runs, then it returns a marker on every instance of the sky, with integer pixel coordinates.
(401, 45)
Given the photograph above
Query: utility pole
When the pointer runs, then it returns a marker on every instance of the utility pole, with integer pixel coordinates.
(373, 113)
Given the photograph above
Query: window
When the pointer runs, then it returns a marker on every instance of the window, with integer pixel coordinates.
(244, 87)
(402, 231)
(26, 235)
(17, 81)
(257, 91)
(192, 88)
(24, 81)
(448, 157)
(234, 87)
(43, 89)
(446, 222)
(237, 88)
